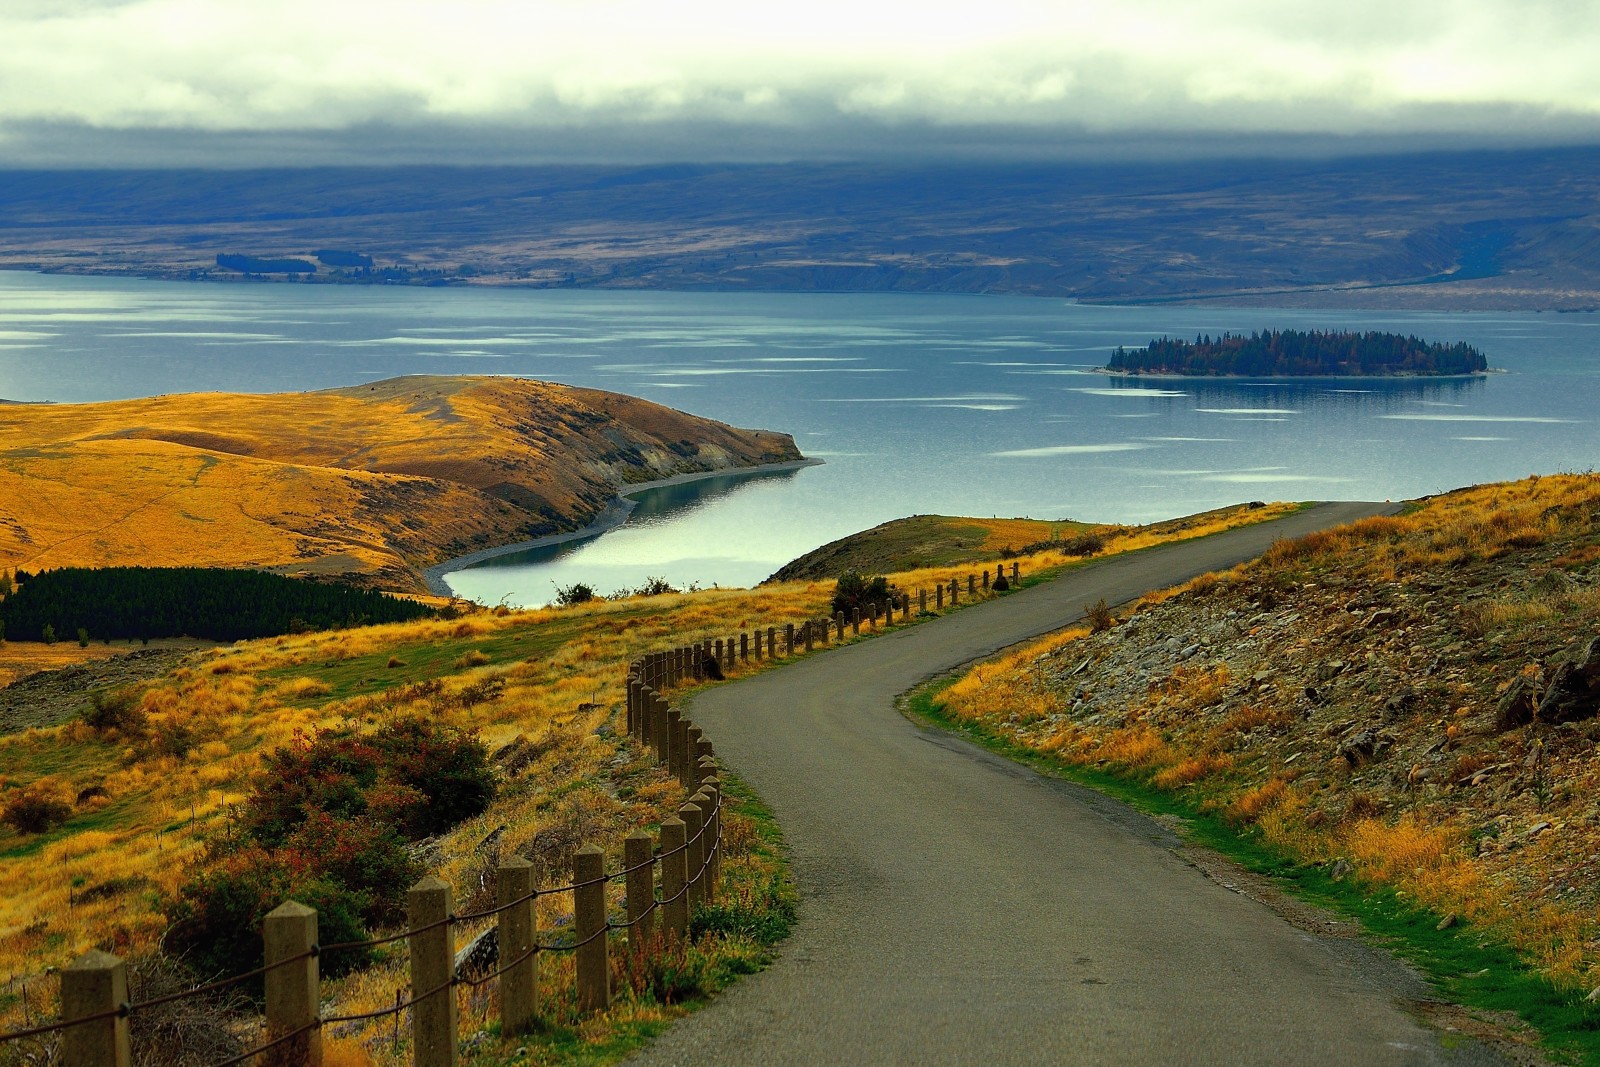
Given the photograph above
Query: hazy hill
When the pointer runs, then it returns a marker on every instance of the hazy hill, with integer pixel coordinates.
(1487, 229)
(370, 482)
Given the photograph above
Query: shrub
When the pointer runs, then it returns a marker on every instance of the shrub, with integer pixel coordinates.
(577, 593)
(364, 854)
(187, 1032)
(418, 775)
(217, 915)
(83, 637)
(114, 709)
(655, 586)
(47, 634)
(1087, 544)
(854, 590)
(1099, 616)
(35, 809)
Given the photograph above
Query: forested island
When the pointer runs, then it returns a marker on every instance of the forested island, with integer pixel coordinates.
(1278, 353)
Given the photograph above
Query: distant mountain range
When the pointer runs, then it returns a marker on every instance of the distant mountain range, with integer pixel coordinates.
(1483, 230)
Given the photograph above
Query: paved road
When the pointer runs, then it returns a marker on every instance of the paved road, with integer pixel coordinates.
(959, 909)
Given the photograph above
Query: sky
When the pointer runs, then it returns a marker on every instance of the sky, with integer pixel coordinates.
(246, 82)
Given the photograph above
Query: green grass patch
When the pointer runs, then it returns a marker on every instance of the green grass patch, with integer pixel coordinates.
(424, 660)
(1466, 965)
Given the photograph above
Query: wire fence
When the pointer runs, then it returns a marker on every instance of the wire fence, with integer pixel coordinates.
(665, 879)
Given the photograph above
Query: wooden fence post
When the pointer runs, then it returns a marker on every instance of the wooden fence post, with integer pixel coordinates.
(658, 727)
(806, 631)
(744, 648)
(972, 585)
(518, 932)
(641, 889)
(788, 638)
(938, 597)
(691, 739)
(95, 982)
(693, 817)
(905, 608)
(1016, 573)
(674, 756)
(674, 895)
(758, 644)
(986, 579)
(293, 995)
(589, 925)
(955, 590)
(433, 1018)
(772, 637)
(713, 790)
(727, 650)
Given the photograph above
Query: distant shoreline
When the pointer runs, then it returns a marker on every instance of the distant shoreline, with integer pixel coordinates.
(615, 514)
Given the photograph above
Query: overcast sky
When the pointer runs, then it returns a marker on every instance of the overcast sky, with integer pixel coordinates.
(250, 81)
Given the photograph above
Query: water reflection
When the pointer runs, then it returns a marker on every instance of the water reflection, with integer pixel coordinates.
(1295, 395)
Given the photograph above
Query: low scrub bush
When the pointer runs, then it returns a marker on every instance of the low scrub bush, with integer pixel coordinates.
(114, 709)
(326, 823)
(856, 590)
(420, 776)
(217, 914)
(572, 595)
(35, 809)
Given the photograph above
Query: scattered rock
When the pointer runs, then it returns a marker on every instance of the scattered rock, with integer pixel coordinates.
(1340, 870)
(479, 955)
(1361, 747)
(1447, 922)
(1517, 705)
(1573, 692)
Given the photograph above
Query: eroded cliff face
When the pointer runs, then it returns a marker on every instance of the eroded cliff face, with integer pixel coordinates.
(370, 483)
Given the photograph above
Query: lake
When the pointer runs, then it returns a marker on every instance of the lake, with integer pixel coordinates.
(917, 403)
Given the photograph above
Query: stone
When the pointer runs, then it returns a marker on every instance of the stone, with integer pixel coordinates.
(1573, 692)
(1517, 704)
(1360, 747)
(479, 955)
(1340, 870)
(1447, 922)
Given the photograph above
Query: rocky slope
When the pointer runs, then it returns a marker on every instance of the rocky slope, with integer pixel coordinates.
(1413, 698)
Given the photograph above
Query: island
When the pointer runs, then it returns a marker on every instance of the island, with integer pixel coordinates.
(1300, 353)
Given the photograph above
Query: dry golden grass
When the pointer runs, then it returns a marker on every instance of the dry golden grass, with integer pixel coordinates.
(157, 795)
(372, 481)
(1424, 849)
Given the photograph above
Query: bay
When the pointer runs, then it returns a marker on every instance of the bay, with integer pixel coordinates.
(917, 403)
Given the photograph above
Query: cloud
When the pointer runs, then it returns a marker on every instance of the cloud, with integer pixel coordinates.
(515, 79)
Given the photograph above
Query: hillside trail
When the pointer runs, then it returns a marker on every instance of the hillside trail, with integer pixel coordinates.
(957, 908)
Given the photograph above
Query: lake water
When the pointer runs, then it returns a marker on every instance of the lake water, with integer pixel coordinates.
(917, 403)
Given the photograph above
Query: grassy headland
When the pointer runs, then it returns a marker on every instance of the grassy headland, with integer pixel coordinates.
(369, 484)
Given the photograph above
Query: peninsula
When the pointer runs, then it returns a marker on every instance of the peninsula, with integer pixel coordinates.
(370, 484)
(1298, 353)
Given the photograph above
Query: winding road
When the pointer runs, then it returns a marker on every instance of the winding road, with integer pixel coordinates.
(958, 908)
